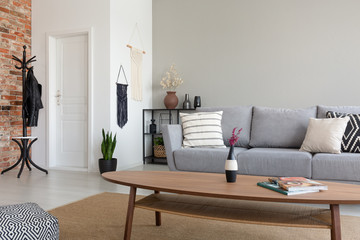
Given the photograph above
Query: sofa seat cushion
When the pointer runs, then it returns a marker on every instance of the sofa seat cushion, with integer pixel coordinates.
(344, 166)
(232, 117)
(203, 159)
(279, 127)
(285, 162)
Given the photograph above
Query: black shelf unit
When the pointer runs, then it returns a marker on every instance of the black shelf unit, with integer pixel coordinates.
(153, 112)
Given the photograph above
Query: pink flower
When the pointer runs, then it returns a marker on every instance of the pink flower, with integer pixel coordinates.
(235, 137)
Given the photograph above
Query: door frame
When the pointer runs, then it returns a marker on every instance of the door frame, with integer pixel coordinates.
(50, 150)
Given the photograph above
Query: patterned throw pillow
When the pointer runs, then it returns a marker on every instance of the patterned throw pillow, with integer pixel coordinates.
(351, 139)
(202, 129)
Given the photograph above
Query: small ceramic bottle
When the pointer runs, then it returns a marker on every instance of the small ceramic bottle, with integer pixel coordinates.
(187, 103)
(152, 126)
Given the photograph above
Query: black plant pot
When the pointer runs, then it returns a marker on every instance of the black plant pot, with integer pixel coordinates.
(107, 165)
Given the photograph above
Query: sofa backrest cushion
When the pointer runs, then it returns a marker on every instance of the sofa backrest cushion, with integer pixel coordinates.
(322, 110)
(279, 127)
(239, 117)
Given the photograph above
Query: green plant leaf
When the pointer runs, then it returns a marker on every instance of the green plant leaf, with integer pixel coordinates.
(108, 145)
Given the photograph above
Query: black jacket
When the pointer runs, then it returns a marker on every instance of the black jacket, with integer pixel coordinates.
(32, 99)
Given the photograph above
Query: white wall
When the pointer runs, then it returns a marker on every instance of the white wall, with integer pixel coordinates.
(124, 14)
(109, 50)
(51, 16)
(264, 52)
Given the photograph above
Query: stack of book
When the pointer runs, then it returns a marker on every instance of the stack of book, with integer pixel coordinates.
(292, 185)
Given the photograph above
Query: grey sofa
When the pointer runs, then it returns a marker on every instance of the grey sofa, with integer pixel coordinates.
(268, 145)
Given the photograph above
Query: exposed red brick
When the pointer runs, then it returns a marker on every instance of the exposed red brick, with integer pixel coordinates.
(5, 164)
(15, 108)
(15, 72)
(6, 97)
(9, 87)
(16, 113)
(8, 36)
(4, 10)
(16, 93)
(15, 31)
(16, 4)
(4, 30)
(15, 103)
(4, 113)
(16, 123)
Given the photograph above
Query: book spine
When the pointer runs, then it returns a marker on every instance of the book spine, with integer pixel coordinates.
(312, 188)
(271, 188)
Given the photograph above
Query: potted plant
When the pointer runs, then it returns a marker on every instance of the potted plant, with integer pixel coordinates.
(159, 148)
(107, 163)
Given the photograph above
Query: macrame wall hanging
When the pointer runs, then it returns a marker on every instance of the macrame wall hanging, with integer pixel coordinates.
(122, 106)
(136, 56)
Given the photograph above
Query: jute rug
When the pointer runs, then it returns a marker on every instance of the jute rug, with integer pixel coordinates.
(103, 217)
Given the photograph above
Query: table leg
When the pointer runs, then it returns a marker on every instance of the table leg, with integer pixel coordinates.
(157, 215)
(335, 222)
(130, 213)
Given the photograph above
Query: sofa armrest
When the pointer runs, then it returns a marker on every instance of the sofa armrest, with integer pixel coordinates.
(173, 138)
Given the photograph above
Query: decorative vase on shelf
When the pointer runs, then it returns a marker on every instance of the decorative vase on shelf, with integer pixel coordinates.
(171, 100)
(187, 103)
(152, 126)
(197, 101)
(231, 166)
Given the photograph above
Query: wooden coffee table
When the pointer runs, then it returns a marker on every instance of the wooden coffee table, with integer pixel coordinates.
(208, 195)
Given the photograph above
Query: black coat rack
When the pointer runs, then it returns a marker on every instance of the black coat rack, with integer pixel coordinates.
(24, 144)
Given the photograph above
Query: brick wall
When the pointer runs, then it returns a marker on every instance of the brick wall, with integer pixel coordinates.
(15, 31)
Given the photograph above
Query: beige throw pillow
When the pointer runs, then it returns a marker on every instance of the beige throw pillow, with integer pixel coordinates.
(324, 135)
(202, 129)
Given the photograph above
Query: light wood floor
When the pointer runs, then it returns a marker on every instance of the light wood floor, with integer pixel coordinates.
(59, 187)
(62, 187)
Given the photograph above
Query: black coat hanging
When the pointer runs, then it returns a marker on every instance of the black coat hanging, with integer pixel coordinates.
(32, 100)
(122, 104)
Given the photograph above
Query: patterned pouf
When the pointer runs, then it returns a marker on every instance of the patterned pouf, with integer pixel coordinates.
(27, 221)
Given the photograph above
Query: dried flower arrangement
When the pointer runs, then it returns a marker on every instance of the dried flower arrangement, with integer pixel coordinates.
(171, 80)
(235, 137)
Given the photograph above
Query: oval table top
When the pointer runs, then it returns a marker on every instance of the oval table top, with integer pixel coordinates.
(215, 185)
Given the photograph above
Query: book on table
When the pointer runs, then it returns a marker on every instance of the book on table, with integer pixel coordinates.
(297, 183)
(277, 188)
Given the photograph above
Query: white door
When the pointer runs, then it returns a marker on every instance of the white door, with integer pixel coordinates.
(71, 101)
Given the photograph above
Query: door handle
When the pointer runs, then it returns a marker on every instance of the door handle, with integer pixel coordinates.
(58, 96)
